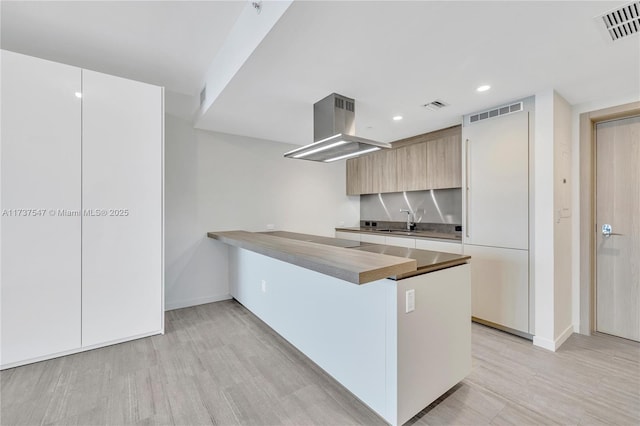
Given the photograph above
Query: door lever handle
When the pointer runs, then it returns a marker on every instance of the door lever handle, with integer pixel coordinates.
(606, 231)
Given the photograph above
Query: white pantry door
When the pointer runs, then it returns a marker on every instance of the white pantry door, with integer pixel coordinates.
(497, 182)
(40, 278)
(618, 213)
(122, 193)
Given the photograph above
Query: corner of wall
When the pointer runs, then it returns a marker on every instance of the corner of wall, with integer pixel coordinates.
(552, 219)
(543, 217)
(554, 345)
(562, 132)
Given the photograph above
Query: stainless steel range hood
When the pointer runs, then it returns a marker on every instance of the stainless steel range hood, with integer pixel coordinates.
(333, 133)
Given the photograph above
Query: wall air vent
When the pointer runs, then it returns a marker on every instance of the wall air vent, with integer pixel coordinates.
(435, 105)
(496, 112)
(623, 21)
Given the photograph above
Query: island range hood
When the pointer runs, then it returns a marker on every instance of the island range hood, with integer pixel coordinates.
(333, 132)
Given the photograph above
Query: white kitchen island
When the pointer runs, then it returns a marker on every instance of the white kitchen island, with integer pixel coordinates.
(396, 362)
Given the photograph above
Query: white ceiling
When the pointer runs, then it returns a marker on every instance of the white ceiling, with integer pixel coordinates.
(390, 56)
(168, 43)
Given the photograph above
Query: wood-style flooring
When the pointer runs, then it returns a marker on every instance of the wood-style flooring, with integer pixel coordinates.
(219, 364)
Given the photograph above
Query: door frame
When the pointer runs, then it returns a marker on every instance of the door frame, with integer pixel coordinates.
(588, 121)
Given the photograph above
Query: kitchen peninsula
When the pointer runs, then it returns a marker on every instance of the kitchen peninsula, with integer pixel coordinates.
(395, 330)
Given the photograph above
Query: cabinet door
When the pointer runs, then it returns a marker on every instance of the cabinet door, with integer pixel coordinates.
(445, 247)
(497, 179)
(411, 167)
(122, 180)
(40, 170)
(444, 163)
(354, 236)
(384, 171)
(500, 285)
(372, 238)
(360, 175)
(400, 242)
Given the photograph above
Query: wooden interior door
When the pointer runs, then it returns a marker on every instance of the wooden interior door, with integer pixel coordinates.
(618, 206)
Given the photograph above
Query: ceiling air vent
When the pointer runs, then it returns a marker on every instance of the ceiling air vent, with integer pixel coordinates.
(507, 109)
(623, 21)
(435, 105)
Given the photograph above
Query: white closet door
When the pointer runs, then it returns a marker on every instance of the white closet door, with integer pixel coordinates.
(40, 284)
(122, 186)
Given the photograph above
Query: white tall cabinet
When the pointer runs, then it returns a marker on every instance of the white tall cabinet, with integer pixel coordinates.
(496, 214)
(81, 230)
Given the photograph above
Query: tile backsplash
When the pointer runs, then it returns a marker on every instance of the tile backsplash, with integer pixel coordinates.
(432, 206)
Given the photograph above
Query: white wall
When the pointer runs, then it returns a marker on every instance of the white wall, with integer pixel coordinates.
(218, 182)
(543, 219)
(552, 218)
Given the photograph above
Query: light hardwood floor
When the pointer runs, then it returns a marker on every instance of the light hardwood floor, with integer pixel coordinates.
(219, 364)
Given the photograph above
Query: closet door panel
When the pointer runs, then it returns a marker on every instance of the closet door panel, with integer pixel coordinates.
(40, 261)
(122, 190)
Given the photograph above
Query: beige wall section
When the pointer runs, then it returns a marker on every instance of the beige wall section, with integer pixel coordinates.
(552, 234)
(216, 181)
(562, 217)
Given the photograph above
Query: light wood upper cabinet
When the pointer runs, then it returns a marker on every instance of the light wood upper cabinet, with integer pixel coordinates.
(360, 175)
(444, 163)
(384, 171)
(411, 167)
(430, 161)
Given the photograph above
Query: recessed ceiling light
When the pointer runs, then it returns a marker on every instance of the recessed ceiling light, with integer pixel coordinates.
(483, 88)
(78, 95)
(397, 118)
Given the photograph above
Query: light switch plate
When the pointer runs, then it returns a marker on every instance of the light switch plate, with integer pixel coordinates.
(410, 301)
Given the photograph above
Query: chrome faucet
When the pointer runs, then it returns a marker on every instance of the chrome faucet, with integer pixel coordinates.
(409, 220)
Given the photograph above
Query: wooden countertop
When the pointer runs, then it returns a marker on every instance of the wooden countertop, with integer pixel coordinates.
(355, 266)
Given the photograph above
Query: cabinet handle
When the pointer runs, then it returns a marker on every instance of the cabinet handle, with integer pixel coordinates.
(467, 169)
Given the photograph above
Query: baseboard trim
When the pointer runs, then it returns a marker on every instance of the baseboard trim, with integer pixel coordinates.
(170, 306)
(78, 350)
(553, 345)
(564, 336)
(544, 343)
(503, 328)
